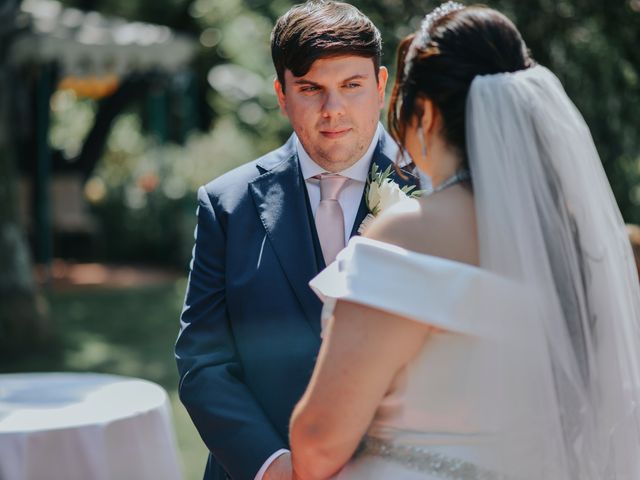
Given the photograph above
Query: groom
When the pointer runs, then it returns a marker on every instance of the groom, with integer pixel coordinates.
(250, 327)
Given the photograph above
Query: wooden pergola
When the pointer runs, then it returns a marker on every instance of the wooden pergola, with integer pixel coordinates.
(105, 58)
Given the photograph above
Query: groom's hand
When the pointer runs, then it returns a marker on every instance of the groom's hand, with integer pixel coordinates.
(280, 468)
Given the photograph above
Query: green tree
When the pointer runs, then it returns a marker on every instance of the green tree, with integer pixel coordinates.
(23, 324)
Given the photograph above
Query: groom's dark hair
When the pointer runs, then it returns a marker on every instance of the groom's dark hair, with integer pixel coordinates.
(322, 29)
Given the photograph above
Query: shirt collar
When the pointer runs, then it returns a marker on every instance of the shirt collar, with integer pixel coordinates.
(358, 171)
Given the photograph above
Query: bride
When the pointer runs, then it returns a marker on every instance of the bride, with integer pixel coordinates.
(490, 329)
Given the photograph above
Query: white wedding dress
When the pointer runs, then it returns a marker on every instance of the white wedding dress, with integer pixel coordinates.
(440, 417)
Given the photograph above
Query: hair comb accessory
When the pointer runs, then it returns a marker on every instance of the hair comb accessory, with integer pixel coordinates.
(422, 37)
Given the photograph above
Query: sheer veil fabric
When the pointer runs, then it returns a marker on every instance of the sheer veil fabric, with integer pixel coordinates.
(547, 219)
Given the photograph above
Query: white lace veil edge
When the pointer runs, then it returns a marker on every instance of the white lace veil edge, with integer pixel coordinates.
(547, 218)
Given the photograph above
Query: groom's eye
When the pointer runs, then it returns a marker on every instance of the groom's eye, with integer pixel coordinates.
(352, 85)
(309, 89)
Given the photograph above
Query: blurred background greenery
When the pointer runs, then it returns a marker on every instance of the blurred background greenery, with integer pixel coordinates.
(141, 190)
(140, 148)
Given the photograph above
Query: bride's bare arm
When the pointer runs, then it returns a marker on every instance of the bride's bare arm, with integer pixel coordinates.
(362, 351)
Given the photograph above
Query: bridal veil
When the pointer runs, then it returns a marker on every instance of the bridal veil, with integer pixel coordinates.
(547, 218)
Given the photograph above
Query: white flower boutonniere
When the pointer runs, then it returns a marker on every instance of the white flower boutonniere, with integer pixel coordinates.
(381, 193)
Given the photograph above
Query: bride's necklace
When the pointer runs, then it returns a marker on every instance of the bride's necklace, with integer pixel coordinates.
(458, 177)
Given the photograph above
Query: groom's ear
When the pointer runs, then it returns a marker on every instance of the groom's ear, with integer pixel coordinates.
(383, 76)
(277, 86)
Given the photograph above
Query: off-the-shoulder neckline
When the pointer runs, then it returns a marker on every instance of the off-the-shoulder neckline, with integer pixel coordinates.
(405, 251)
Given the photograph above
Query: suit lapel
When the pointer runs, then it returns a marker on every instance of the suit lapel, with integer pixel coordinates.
(383, 156)
(362, 213)
(280, 198)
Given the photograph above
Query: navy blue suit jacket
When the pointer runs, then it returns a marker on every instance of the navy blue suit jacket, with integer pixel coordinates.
(250, 326)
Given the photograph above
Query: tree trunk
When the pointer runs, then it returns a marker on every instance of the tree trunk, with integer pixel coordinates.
(24, 324)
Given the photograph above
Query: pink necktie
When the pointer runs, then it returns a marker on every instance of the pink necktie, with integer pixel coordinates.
(329, 216)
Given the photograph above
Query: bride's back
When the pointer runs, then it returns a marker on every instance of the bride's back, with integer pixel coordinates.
(442, 225)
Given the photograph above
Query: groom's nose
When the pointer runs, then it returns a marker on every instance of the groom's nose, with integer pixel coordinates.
(333, 104)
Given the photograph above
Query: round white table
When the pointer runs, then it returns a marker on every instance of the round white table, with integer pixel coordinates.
(85, 426)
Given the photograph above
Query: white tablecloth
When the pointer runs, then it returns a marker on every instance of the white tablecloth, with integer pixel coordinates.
(77, 426)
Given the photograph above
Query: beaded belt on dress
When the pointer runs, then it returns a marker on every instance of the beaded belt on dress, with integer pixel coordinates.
(422, 460)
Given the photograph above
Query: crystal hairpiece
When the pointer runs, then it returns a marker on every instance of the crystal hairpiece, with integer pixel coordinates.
(422, 37)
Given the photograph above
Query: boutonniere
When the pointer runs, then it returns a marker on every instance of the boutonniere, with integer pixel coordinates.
(382, 192)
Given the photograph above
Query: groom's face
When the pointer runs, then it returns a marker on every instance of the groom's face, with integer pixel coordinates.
(334, 108)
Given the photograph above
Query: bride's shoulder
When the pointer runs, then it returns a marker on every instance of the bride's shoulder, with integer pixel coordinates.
(443, 225)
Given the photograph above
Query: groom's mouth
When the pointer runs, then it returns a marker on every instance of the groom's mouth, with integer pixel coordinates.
(335, 133)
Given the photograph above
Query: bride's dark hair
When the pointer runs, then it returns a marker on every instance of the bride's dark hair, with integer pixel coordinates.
(465, 43)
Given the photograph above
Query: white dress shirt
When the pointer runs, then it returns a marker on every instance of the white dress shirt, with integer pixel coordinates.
(349, 200)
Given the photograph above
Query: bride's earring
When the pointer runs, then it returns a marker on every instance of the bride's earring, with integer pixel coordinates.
(423, 146)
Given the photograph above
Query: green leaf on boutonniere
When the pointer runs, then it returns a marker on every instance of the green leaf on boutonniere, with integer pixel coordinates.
(410, 191)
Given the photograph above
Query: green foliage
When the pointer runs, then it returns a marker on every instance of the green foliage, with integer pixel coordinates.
(147, 205)
(592, 47)
(70, 122)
